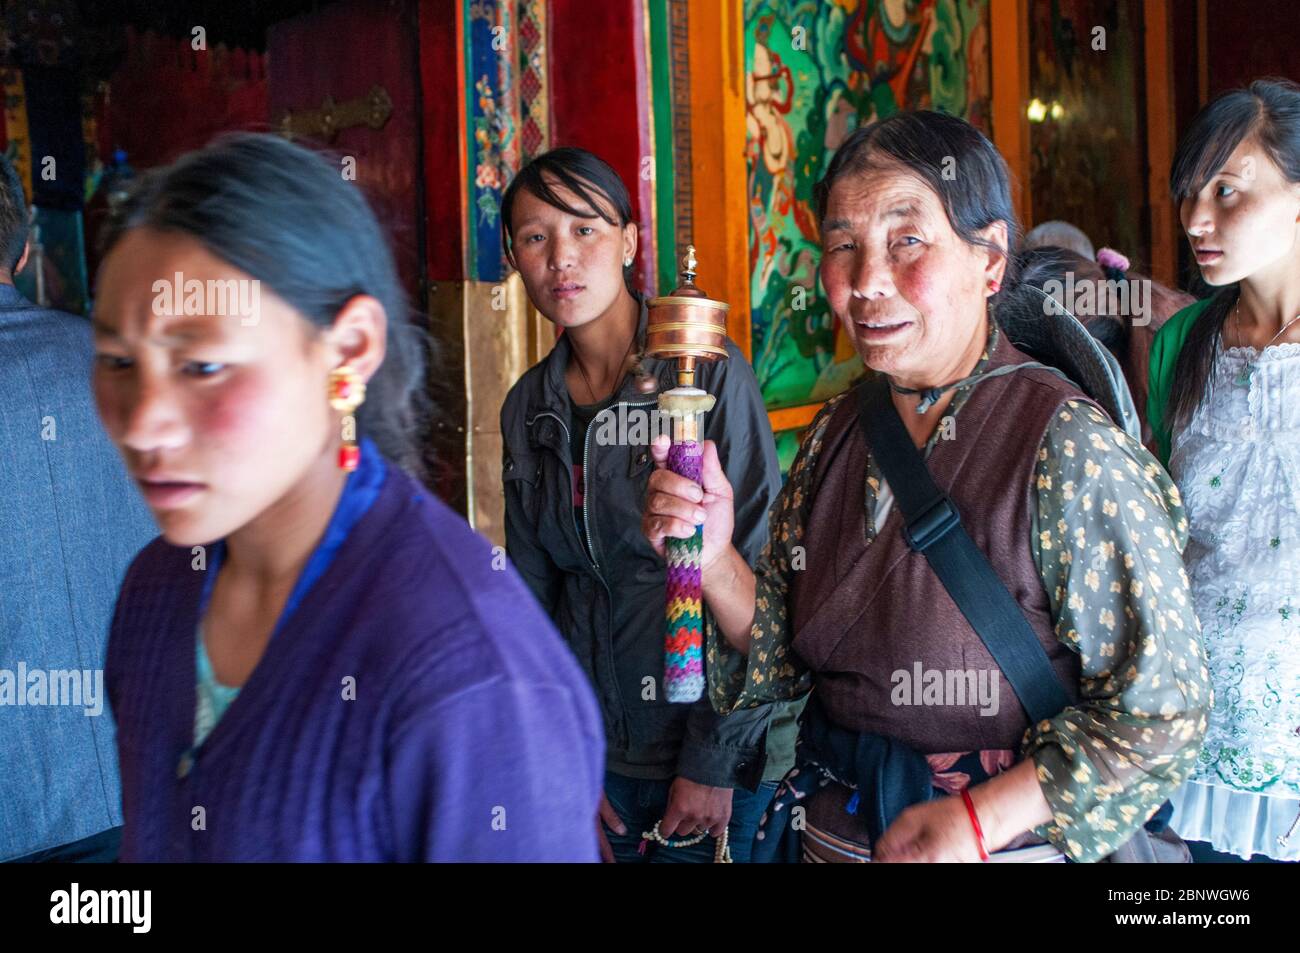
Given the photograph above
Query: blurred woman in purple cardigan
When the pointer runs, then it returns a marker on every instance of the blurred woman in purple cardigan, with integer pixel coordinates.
(317, 660)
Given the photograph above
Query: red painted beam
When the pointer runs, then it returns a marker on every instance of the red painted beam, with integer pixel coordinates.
(595, 46)
(442, 87)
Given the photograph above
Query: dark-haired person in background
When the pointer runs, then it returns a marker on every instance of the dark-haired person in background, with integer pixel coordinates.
(318, 660)
(1078, 521)
(1225, 402)
(573, 505)
(1128, 336)
(70, 521)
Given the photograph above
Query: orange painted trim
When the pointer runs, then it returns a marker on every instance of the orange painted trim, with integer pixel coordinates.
(792, 418)
(1160, 139)
(719, 177)
(1009, 46)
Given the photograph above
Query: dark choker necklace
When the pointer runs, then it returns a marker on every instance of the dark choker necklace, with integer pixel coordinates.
(930, 395)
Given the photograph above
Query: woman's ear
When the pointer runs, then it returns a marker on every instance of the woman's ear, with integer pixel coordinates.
(359, 335)
(630, 234)
(995, 258)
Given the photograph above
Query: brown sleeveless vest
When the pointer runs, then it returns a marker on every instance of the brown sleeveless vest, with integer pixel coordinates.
(862, 613)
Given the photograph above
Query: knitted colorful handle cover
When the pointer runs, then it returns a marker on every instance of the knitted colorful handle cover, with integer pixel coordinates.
(684, 635)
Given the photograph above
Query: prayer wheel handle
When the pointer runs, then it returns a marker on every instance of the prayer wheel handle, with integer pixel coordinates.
(686, 326)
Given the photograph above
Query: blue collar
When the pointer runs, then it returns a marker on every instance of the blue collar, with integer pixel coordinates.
(359, 492)
(11, 297)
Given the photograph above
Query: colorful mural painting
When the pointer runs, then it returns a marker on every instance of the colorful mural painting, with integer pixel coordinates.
(814, 72)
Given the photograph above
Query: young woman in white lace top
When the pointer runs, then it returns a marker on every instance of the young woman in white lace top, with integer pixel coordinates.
(1225, 405)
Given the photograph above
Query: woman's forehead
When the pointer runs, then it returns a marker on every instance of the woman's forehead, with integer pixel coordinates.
(166, 328)
(1250, 161)
(145, 254)
(531, 207)
(171, 287)
(878, 193)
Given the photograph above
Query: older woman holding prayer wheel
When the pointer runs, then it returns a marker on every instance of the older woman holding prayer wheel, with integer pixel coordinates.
(1005, 656)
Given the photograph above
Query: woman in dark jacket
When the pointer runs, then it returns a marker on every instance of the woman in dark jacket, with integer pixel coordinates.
(576, 429)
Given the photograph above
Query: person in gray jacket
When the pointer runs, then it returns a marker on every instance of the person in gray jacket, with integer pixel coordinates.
(70, 522)
(576, 429)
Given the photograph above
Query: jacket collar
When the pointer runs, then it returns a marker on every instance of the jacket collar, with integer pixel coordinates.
(12, 298)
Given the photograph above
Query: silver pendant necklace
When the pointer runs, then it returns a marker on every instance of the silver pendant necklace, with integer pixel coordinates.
(1247, 372)
(618, 378)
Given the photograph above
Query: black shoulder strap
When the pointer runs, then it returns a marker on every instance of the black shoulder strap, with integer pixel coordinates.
(933, 528)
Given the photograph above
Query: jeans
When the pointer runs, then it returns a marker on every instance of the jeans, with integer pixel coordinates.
(641, 803)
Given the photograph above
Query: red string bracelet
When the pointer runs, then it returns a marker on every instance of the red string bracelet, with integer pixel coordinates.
(975, 823)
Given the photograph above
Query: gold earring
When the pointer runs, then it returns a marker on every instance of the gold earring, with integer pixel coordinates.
(347, 391)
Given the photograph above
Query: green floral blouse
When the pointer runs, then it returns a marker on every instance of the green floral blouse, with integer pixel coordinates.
(1107, 536)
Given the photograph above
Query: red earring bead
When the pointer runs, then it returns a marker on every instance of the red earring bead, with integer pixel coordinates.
(349, 457)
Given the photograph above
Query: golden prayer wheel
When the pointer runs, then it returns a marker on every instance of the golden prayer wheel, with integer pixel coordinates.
(687, 325)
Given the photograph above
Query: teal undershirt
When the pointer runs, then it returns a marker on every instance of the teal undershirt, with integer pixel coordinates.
(213, 697)
(359, 492)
